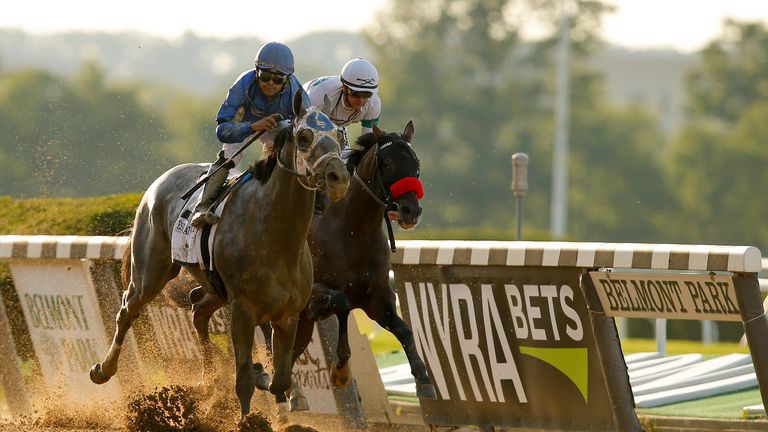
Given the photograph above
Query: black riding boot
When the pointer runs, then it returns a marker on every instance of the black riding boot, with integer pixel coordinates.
(204, 214)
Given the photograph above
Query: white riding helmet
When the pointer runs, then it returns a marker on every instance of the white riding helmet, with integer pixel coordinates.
(360, 75)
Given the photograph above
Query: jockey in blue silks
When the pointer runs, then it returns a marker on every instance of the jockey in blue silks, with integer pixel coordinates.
(250, 107)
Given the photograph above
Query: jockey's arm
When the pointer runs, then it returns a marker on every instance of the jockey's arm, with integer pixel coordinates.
(231, 128)
(233, 132)
(372, 116)
(367, 125)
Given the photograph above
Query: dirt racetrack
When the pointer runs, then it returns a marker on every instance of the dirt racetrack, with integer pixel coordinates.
(171, 408)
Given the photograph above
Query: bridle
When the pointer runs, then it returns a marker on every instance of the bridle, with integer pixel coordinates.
(311, 176)
(388, 200)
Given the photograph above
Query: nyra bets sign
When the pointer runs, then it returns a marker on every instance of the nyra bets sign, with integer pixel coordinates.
(506, 346)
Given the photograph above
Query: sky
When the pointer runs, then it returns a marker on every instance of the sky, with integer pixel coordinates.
(686, 25)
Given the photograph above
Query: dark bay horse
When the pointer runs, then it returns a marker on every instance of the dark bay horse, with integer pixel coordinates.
(260, 249)
(351, 255)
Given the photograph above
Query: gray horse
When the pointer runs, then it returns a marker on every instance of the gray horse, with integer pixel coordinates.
(260, 250)
(351, 256)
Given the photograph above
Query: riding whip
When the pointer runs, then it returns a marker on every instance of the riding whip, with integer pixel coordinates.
(205, 179)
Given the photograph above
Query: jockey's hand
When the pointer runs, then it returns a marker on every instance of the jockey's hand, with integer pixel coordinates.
(266, 124)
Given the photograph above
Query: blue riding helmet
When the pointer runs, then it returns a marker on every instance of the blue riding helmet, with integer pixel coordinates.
(276, 56)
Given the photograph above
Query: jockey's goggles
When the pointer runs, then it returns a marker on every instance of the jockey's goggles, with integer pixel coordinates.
(276, 78)
(359, 94)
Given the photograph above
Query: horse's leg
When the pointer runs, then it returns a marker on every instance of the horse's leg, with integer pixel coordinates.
(283, 337)
(340, 374)
(141, 290)
(384, 312)
(262, 377)
(323, 303)
(204, 305)
(266, 330)
(243, 325)
(304, 329)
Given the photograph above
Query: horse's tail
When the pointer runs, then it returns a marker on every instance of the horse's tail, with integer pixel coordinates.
(125, 271)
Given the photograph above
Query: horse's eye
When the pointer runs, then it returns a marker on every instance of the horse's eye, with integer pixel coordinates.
(387, 167)
(305, 138)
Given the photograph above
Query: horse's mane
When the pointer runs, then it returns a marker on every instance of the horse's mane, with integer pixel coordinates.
(263, 168)
(365, 142)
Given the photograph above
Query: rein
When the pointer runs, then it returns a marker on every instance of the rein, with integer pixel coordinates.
(387, 202)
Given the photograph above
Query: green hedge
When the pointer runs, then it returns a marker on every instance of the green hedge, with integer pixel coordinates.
(422, 233)
(107, 215)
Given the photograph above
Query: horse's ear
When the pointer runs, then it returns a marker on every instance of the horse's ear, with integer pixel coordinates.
(376, 131)
(326, 106)
(298, 104)
(408, 132)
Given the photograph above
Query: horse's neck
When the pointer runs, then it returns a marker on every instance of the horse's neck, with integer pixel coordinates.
(282, 201)
(293, 201)
(362, 210)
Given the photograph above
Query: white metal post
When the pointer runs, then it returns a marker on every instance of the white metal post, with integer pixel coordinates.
(559, 203)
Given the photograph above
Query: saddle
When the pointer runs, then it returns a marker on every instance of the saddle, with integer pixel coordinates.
(192, 246)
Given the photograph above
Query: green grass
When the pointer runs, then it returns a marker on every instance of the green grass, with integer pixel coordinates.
(674, 347)
(722, 406)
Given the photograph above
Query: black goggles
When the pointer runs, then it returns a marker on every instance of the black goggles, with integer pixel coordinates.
(272, 76)
(360, 94)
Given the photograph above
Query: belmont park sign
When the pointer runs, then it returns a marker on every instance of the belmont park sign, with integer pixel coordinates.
(640, 295)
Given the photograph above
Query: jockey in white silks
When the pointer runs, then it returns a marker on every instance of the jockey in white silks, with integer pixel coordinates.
(354, 97)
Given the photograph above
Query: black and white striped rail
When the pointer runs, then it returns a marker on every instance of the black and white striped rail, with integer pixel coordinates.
(450, 252)
(62, 247)
(745, 259)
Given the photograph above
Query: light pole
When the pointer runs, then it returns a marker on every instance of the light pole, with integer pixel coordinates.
(519, 186)
(559, 208)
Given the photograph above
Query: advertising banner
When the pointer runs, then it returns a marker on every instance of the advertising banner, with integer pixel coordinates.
(59, 305)
(505, 346)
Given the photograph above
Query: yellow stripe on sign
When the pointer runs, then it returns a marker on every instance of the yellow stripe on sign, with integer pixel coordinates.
(572, 362)
(364, 324)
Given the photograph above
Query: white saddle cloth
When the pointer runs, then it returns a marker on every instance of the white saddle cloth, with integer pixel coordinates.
(187, 241)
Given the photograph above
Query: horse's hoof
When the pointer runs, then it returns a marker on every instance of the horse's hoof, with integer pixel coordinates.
(299, 403)
(340, 376)
(262, 378)
(282, 413)
(96, 374)
(426, 391)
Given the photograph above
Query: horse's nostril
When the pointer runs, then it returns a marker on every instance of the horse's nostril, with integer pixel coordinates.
(405, 211)
(332, 178)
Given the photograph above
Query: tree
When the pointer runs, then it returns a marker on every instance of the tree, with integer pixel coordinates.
(78, 138)
(478, 93)
(733, 73)
(717, 164)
